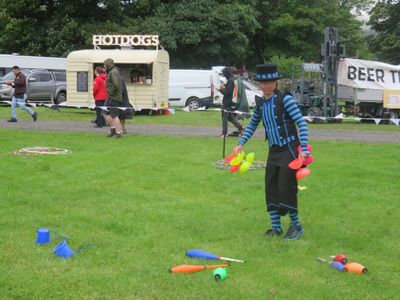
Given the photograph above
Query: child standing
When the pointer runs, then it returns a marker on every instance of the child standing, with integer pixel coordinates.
(285, 129)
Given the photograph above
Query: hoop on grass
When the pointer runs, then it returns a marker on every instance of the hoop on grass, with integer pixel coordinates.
(222, 165)
(39, 150)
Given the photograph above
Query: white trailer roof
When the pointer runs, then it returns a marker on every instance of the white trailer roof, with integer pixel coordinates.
(34, 62)
(119, 56)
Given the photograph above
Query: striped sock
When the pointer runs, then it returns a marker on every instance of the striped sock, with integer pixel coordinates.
(275, 217)
(294, 218)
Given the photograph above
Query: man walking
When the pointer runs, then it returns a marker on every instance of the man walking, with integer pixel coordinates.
(19, 98)
(115, 100)
(228, 105)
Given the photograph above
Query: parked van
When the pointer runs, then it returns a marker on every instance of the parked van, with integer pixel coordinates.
(197, 88)
(188, 87)
(41, 86)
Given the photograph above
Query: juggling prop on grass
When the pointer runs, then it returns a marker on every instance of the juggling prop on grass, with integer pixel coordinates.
(340, 263)
(334, 264)
(43, 236)
(356, 268)
(40, 150)
(200, 254)
(340, 258)
(240, 162)
(188, 269)
(62, 249)
(300, 165)
(220, 274)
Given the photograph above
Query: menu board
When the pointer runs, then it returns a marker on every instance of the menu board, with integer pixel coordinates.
(82, 81)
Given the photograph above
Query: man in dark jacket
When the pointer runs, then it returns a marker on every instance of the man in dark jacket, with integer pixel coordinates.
(242, 105)
(228, 106)
(19, 84)
(114, 101)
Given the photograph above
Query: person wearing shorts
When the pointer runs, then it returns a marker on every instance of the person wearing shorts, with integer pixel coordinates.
(114, 101)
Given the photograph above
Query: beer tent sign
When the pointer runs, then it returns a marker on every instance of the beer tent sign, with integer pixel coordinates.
(366, 74)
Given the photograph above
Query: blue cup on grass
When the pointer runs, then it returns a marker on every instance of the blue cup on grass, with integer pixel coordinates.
(63, 250)
(43, 236)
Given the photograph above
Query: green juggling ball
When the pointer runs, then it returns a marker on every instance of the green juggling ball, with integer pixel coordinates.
(219, 274)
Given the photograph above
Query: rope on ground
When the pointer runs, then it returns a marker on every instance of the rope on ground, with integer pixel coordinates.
(339, 117)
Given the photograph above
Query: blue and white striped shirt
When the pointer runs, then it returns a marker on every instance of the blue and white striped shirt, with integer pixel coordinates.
(267, 115)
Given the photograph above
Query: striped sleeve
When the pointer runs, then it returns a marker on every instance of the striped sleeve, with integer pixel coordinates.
(294, 112)
(251, 127)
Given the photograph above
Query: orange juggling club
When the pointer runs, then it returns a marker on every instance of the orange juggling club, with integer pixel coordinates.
(187, 269)
(234, 168)
(296, 164)
(356, 268)
(309, 160)
(303, 172)
(229, 158)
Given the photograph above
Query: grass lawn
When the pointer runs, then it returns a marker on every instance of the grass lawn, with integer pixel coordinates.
(208, 118)
(143, 201)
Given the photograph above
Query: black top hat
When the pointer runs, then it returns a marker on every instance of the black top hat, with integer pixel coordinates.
(267, 72)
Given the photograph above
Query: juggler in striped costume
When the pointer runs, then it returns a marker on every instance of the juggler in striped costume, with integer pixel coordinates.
(285, 129)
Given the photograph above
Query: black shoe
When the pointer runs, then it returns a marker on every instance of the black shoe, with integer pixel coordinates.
(98, 126)
(234, 134)
(12, 120)
(34, 116)
(112, 133)
(93, 121)
(294, 232)
(117, 135)
(273, 232)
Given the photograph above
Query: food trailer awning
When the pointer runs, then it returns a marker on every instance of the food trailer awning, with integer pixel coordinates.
(119, 56)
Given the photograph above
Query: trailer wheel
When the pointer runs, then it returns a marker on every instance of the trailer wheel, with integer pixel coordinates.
(61, 97)
(193, 103)
(314, 112)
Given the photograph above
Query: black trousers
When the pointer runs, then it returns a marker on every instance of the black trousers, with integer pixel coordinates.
(280, 180)
(231, 117)
(99, 118)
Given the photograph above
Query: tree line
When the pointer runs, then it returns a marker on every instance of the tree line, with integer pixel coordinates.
(202, 33)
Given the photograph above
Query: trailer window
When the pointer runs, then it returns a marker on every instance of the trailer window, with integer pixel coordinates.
(136, 73)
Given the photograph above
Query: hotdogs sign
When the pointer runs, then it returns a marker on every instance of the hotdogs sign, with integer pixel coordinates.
(125, 40)
(365, 74)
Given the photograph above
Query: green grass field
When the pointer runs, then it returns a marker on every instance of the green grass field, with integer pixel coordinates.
(143, 201)
(208, 118)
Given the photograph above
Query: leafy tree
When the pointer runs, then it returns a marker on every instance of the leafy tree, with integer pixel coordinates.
(197, 33)
(54, 28)
(385, 21)
(295, 27)
(201, 33)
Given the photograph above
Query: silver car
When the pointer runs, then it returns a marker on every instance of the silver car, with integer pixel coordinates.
(41, 86)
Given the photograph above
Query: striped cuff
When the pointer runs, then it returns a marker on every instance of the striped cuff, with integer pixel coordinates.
(304, 149)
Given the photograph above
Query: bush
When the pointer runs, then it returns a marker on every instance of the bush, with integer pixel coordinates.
(285, 65)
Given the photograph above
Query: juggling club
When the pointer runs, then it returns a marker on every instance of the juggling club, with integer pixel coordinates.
(334, 264)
